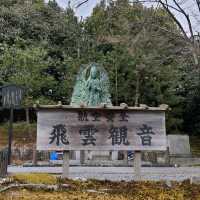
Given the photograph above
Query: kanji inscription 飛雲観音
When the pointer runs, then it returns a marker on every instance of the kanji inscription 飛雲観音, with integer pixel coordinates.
(100, 129)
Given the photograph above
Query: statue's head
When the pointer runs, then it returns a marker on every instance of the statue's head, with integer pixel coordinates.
(93, 71)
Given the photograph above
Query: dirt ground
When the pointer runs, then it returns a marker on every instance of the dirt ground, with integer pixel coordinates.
(100, 190)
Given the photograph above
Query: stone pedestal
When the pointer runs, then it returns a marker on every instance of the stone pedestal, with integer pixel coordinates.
(114, 155)
(82, 157)
(77, 155)
(100, 155)
(125, 156)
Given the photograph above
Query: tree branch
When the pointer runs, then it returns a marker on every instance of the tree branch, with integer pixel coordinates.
(198, 4)
(187, 18)
(175, 20)
(157, 1)
(81, 3)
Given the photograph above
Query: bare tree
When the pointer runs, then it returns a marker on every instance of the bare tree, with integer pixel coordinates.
(185, 24)
(189, 37)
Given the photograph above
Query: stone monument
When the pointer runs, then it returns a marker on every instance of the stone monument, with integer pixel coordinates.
(91, 124)
(179, 145)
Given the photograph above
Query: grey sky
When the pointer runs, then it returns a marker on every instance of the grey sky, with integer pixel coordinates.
(189, 5)
(85, 10)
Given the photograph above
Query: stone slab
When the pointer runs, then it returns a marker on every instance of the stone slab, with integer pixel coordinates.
(178, 144)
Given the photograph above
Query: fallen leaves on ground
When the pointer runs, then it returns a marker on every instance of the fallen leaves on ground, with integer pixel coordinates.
(101, 190)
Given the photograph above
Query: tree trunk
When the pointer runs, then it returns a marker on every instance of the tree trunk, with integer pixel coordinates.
(34, 155)
(137, 90)
(27, 116)
(116, 85)
(10, 135)
(195, 51)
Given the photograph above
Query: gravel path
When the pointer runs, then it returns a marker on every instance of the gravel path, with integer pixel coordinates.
(116, 173)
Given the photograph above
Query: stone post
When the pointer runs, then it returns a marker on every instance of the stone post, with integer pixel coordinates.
(137, 165)
(65, 173)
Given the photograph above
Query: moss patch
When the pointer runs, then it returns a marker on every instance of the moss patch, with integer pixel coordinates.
(35, 178)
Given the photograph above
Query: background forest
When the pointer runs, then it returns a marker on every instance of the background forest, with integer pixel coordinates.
(43, 46)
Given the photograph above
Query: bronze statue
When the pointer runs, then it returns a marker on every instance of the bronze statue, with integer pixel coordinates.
(92, 86)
